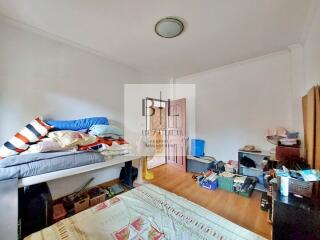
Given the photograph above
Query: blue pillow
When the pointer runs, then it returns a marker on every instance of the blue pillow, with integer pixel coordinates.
(102, 130)
(76, 125)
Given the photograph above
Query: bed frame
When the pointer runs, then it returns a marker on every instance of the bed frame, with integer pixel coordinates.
(126, 159)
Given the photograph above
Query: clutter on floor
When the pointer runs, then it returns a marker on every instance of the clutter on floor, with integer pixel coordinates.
(227, 181)
(208, 180)
(86, 198)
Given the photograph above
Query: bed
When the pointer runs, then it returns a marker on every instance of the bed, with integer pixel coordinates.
(22, 166)
(146, 212)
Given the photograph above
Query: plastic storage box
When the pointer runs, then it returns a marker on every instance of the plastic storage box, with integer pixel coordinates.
(198, 165)
(197, 147)
(212, 185)
(225, 183)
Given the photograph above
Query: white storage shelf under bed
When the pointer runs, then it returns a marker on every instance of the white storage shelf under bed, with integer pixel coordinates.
(27, 181)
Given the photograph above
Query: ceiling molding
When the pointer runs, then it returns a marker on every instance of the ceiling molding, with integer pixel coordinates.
(206, 73)
(55, 37)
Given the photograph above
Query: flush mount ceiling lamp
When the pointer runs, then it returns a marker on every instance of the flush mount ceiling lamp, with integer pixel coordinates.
(169, 27)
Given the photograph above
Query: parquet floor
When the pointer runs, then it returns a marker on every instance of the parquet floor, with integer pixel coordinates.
(240, 210)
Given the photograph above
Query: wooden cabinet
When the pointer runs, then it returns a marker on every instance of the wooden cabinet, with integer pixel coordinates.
(295, 218)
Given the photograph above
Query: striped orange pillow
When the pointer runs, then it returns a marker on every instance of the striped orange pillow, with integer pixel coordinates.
(31, 133)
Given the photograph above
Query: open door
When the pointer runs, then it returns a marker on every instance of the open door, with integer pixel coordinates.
(176, 134)
(158, 124)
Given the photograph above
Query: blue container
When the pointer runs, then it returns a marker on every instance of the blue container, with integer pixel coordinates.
(197, 147)
(209, 185)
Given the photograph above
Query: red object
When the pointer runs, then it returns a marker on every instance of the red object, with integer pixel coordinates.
(287, 155)
(58, 212)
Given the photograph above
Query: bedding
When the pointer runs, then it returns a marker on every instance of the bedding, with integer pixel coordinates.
(103, 143)
(72, 138)
(35, 164)
(146, 212)
(79, 124)
(47, 145)
(104, 130)
(31, 133)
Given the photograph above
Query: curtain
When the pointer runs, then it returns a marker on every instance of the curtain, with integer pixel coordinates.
(311, 122)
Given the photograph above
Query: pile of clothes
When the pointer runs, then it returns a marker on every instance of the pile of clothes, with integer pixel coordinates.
(244, 184)
(89, 134)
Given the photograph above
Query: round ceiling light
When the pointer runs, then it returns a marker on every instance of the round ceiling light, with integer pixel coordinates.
(169, 27)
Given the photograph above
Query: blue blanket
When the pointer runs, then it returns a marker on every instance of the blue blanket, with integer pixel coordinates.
(34, 164)
(79, 124)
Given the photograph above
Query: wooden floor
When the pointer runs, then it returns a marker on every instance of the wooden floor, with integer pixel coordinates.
(240, 210)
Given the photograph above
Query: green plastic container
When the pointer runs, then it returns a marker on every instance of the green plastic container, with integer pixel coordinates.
(225, 183)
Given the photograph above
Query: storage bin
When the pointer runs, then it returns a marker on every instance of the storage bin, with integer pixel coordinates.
(212, 185)
(197, 147)
(97, 195)
(225, 183)
(198, 165)
(302, 188)
(81, 203)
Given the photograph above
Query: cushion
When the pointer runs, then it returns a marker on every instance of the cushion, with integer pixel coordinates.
(80, 124)
(31, 133)
(72, 138)
(104, 130)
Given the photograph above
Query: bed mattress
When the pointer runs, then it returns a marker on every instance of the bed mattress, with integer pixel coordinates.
(146, 212)
(39, 163)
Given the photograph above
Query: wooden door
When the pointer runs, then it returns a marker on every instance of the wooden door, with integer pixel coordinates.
(176, 134)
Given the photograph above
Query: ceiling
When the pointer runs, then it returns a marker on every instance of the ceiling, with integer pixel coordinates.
(218, 32)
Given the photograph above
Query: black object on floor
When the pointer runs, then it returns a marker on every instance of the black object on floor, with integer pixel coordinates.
(264, 203)
(132, 174)
(218, 167)
(36, 210)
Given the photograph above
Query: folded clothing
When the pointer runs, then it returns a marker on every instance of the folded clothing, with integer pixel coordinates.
(72, 138)
(289, 141)
(31, 133)
(110, 153)
(47, 145)
(104, 130)
(79, 124)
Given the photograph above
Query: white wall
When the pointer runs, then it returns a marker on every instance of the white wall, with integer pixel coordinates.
(235, 104)
(44, 77)
(312, 51)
